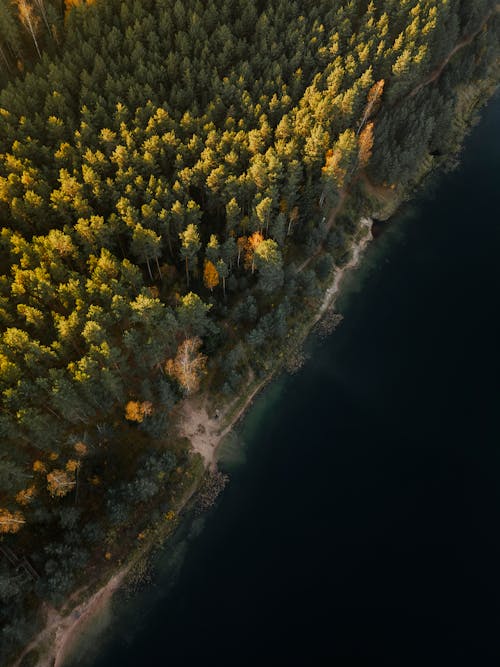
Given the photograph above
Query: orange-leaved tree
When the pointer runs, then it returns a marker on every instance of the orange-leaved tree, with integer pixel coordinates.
(135, 411)
(253, 242)
(365, 145)
(372, 103)
(25, 496)
(11, 522)
(60, 482)
(210, 275)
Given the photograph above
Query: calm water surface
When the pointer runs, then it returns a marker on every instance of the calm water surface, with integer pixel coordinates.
(362, 518)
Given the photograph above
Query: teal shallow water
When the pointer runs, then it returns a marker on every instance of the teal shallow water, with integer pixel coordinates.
(361, 521)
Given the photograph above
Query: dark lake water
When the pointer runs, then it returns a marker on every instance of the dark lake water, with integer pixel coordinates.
(362, 520)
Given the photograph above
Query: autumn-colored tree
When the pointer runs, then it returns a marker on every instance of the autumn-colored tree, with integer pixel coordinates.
(253, 242)
(80, 448)
(29, 20)
(210, 275)
(60, 482)
(374, 97)
(39, 466)
(11, 522)
(72, 465)
(188, 366)
(69, 4)
(25, 496)
(135, 411)
(365, 145)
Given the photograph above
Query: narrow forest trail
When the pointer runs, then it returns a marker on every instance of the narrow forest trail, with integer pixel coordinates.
(62, 632)
(462, 44)
(331, 221)
(358, 248)
(431, 78)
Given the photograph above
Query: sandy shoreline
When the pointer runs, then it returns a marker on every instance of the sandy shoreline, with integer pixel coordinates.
(62, 633)
(204, 432)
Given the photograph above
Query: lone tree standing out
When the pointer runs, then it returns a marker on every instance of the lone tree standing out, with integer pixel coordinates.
(210, 275)
(11, 522)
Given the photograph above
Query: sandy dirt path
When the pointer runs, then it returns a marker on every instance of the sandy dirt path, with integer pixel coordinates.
(434, 76)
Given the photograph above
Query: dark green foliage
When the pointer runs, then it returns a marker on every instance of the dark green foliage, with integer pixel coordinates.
(324, 267)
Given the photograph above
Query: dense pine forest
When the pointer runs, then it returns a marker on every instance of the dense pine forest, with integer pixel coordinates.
(168, 173)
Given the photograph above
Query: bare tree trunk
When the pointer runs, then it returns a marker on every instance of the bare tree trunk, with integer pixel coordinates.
(26, 16)
(76, 485)
(41, 6)
(377, 91)
(149, 269)
(35, 40)
(5, 60)
(53, 412)
(169, 243)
